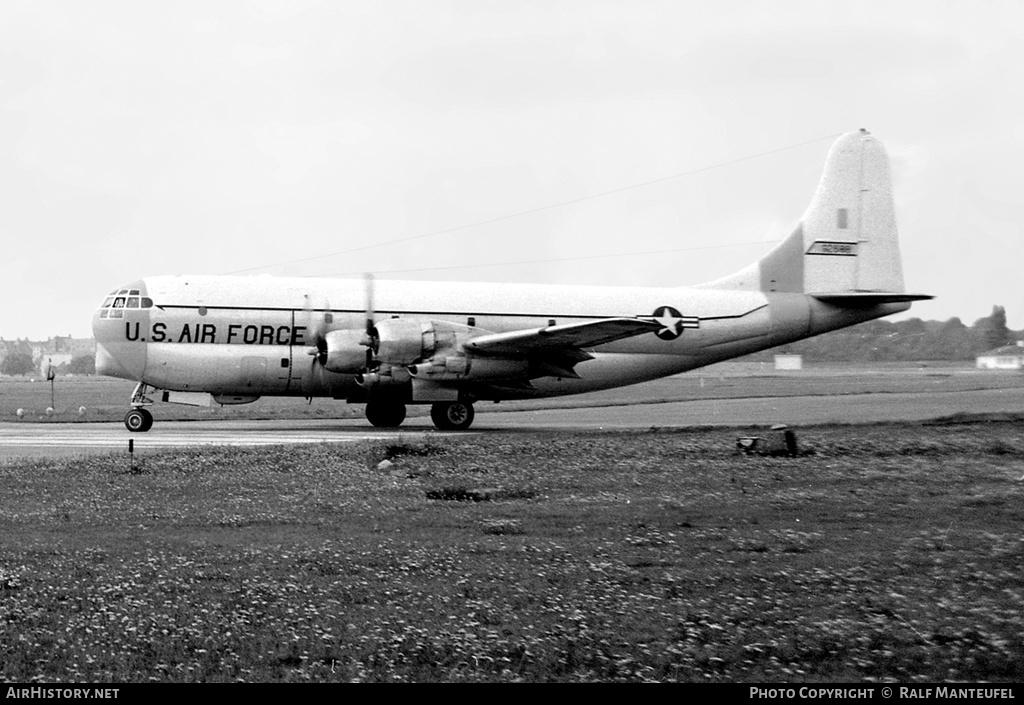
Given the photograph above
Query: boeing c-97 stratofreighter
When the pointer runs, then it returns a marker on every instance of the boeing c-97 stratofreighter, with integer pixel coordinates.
(388, 344)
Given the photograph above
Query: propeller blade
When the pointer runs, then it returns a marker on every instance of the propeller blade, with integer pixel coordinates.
(316, 330)
(371, 333)
(368, 285)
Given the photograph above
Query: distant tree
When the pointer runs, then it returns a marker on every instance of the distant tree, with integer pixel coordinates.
(910, 340)
(912, 326)
(18, 363)
(82, 365)
(19, 346)
(952, 341)
(993, 330)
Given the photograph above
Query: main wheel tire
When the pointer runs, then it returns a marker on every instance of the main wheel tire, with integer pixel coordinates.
(138, 420)
(384, 415)
(452, 415)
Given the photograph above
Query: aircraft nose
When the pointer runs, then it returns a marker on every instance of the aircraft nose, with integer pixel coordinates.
(119, 327)
(127, 361)
(117, 356)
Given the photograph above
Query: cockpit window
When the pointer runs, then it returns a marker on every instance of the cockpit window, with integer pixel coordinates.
(114, 305)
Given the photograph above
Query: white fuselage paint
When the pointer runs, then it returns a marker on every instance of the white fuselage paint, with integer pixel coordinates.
(250, 335)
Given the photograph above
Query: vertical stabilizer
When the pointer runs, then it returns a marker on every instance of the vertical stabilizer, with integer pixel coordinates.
(846, 247)
(849, 230)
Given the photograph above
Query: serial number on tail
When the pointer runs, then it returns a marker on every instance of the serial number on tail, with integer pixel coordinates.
(832, 247)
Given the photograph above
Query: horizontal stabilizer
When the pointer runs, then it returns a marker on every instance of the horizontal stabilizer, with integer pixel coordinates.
(867, 299)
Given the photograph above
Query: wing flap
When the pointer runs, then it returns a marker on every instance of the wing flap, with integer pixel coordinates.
(567, 339)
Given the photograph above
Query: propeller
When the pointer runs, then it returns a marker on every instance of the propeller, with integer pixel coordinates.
(338, 347)
(370, 340)
(316, 331)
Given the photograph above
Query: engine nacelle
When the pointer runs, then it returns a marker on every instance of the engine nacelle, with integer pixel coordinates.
(390, 377)
(403, 341)
(467, 368)
(400, 342)
(346, 350)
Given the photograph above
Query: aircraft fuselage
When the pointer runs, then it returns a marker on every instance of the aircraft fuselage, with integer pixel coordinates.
(251, 336)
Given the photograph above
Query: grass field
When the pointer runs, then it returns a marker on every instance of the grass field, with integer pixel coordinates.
(879, 553)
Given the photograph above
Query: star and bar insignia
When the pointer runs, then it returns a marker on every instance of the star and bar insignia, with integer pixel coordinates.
(673, 322)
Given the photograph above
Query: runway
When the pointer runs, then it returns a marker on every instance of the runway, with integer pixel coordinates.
(48, 439)
(24, 439)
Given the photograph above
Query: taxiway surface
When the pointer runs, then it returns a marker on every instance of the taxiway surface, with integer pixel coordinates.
(21, 439)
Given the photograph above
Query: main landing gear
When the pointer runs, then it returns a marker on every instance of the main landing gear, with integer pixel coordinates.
(446, 415)
(452, 415)
(383, 414)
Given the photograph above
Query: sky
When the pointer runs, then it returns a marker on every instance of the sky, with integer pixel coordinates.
(604, 142)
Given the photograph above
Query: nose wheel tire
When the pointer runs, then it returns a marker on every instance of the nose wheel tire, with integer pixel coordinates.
(452, 416)
(138, 420)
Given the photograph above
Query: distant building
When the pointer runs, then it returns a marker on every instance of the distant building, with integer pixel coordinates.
(1008, 357)
(59, 351)
(56, 351)
(789, 362)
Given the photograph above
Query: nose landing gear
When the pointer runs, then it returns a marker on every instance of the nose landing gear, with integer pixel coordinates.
(138, 419)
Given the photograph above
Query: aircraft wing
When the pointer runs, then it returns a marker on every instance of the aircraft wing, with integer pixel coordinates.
(563, 340)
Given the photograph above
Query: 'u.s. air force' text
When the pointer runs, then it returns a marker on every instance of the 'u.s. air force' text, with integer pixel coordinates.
(234, 333)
